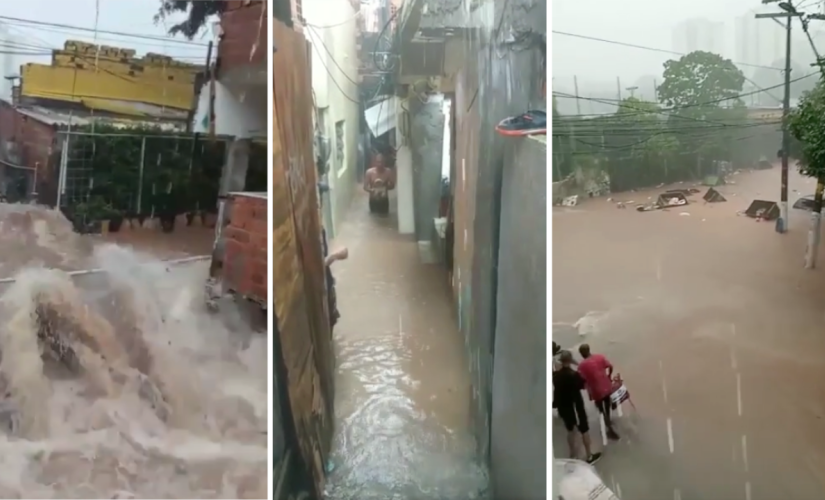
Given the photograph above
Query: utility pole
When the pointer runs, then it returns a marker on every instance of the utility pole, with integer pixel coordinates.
(578, 102)
(789, 14)
(632, 91)
(655, 91)
(618, 89)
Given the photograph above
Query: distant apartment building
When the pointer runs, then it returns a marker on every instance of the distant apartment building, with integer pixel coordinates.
(757, 41)
(699, 34)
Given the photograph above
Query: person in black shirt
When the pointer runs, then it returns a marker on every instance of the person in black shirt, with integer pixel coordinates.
(568, 400)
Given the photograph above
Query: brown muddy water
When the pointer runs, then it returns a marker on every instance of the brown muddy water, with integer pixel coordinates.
(719, 333)
(402, 402)
(132, 390)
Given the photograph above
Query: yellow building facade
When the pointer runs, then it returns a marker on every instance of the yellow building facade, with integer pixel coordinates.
(80, 74)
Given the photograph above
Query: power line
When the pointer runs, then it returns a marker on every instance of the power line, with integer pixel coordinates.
(334, 81)
(309, 25)
(313, 34)
(618, 102)
(60, 31)
(91, 30)
(651, 49)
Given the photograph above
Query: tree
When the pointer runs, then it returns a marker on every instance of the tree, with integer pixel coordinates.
(807, 125)
(700, 79)
(197, 12)
(703, 91)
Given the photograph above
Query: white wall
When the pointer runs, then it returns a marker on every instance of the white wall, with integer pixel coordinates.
(240, 111)
(332, 31)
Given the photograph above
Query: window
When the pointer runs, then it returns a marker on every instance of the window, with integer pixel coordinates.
(340, 149)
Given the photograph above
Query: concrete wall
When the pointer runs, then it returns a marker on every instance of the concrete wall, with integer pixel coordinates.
(426, 143)
(334, 65)
(519, 425)
(489, 89)
(240, 110)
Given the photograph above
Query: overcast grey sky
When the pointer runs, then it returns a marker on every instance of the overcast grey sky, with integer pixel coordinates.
(128, 16)
(641, 22)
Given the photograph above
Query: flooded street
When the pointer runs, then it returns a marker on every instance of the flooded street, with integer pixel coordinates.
(718, 332)
(402, 387)
(119, 384)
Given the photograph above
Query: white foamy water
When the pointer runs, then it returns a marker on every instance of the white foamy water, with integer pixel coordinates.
(119, 384)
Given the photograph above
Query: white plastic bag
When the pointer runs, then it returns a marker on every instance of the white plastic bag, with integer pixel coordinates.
(579, 481)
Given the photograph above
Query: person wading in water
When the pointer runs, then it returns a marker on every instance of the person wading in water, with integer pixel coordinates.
(378, 182)
(568, 385)
(597, 373)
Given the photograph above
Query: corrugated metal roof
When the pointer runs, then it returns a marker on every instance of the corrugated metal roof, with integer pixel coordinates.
(63, 119)
(443, 14)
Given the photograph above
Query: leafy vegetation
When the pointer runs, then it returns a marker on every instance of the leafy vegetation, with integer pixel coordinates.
(699, 123)
(807, 125)
(197, 13)
(178, 174)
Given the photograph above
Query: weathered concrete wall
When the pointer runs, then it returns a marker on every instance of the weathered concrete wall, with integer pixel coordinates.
(508, 82)
(427, 140)
(519, 426)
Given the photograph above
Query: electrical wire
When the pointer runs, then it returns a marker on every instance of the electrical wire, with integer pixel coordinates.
(676, 108)
(313, 34)
(492, 49)
(378, 41)
(309, 25)
(651, 49)
(32, 22)
(19, 28)
(334, 81)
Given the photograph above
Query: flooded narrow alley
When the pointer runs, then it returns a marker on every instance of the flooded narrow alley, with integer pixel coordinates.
(402, 386)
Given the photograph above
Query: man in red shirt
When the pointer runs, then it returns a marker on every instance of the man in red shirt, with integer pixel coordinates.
(597, 373)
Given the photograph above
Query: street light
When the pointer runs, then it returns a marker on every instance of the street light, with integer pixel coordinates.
(787, 7)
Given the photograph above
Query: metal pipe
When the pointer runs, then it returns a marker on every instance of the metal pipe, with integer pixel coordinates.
(86, 272)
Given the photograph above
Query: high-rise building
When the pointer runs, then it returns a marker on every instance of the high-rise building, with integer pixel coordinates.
(758, 41)
(699, 34)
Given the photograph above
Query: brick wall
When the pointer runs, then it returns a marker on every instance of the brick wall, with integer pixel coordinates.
(245, 257)
(34, 139)
(242, 26)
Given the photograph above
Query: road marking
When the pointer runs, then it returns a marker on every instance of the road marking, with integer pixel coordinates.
(733, 329)
(739, 393)
(747, 490)
(658, 269)
(400, 325)
(618, 490)
(670, 434)
(603, 427)
(664, 383)
(677, 495)
(745, 452)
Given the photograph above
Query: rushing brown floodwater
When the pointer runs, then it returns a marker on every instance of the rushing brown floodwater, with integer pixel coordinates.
(134, 391)
(719, 334)
(402, 390)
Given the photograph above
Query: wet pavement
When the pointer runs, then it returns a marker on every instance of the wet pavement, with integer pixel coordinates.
(183, 241)
(402, 386)
(718, 332)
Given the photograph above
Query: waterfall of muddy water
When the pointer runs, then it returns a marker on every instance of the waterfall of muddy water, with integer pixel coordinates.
(119, 384)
